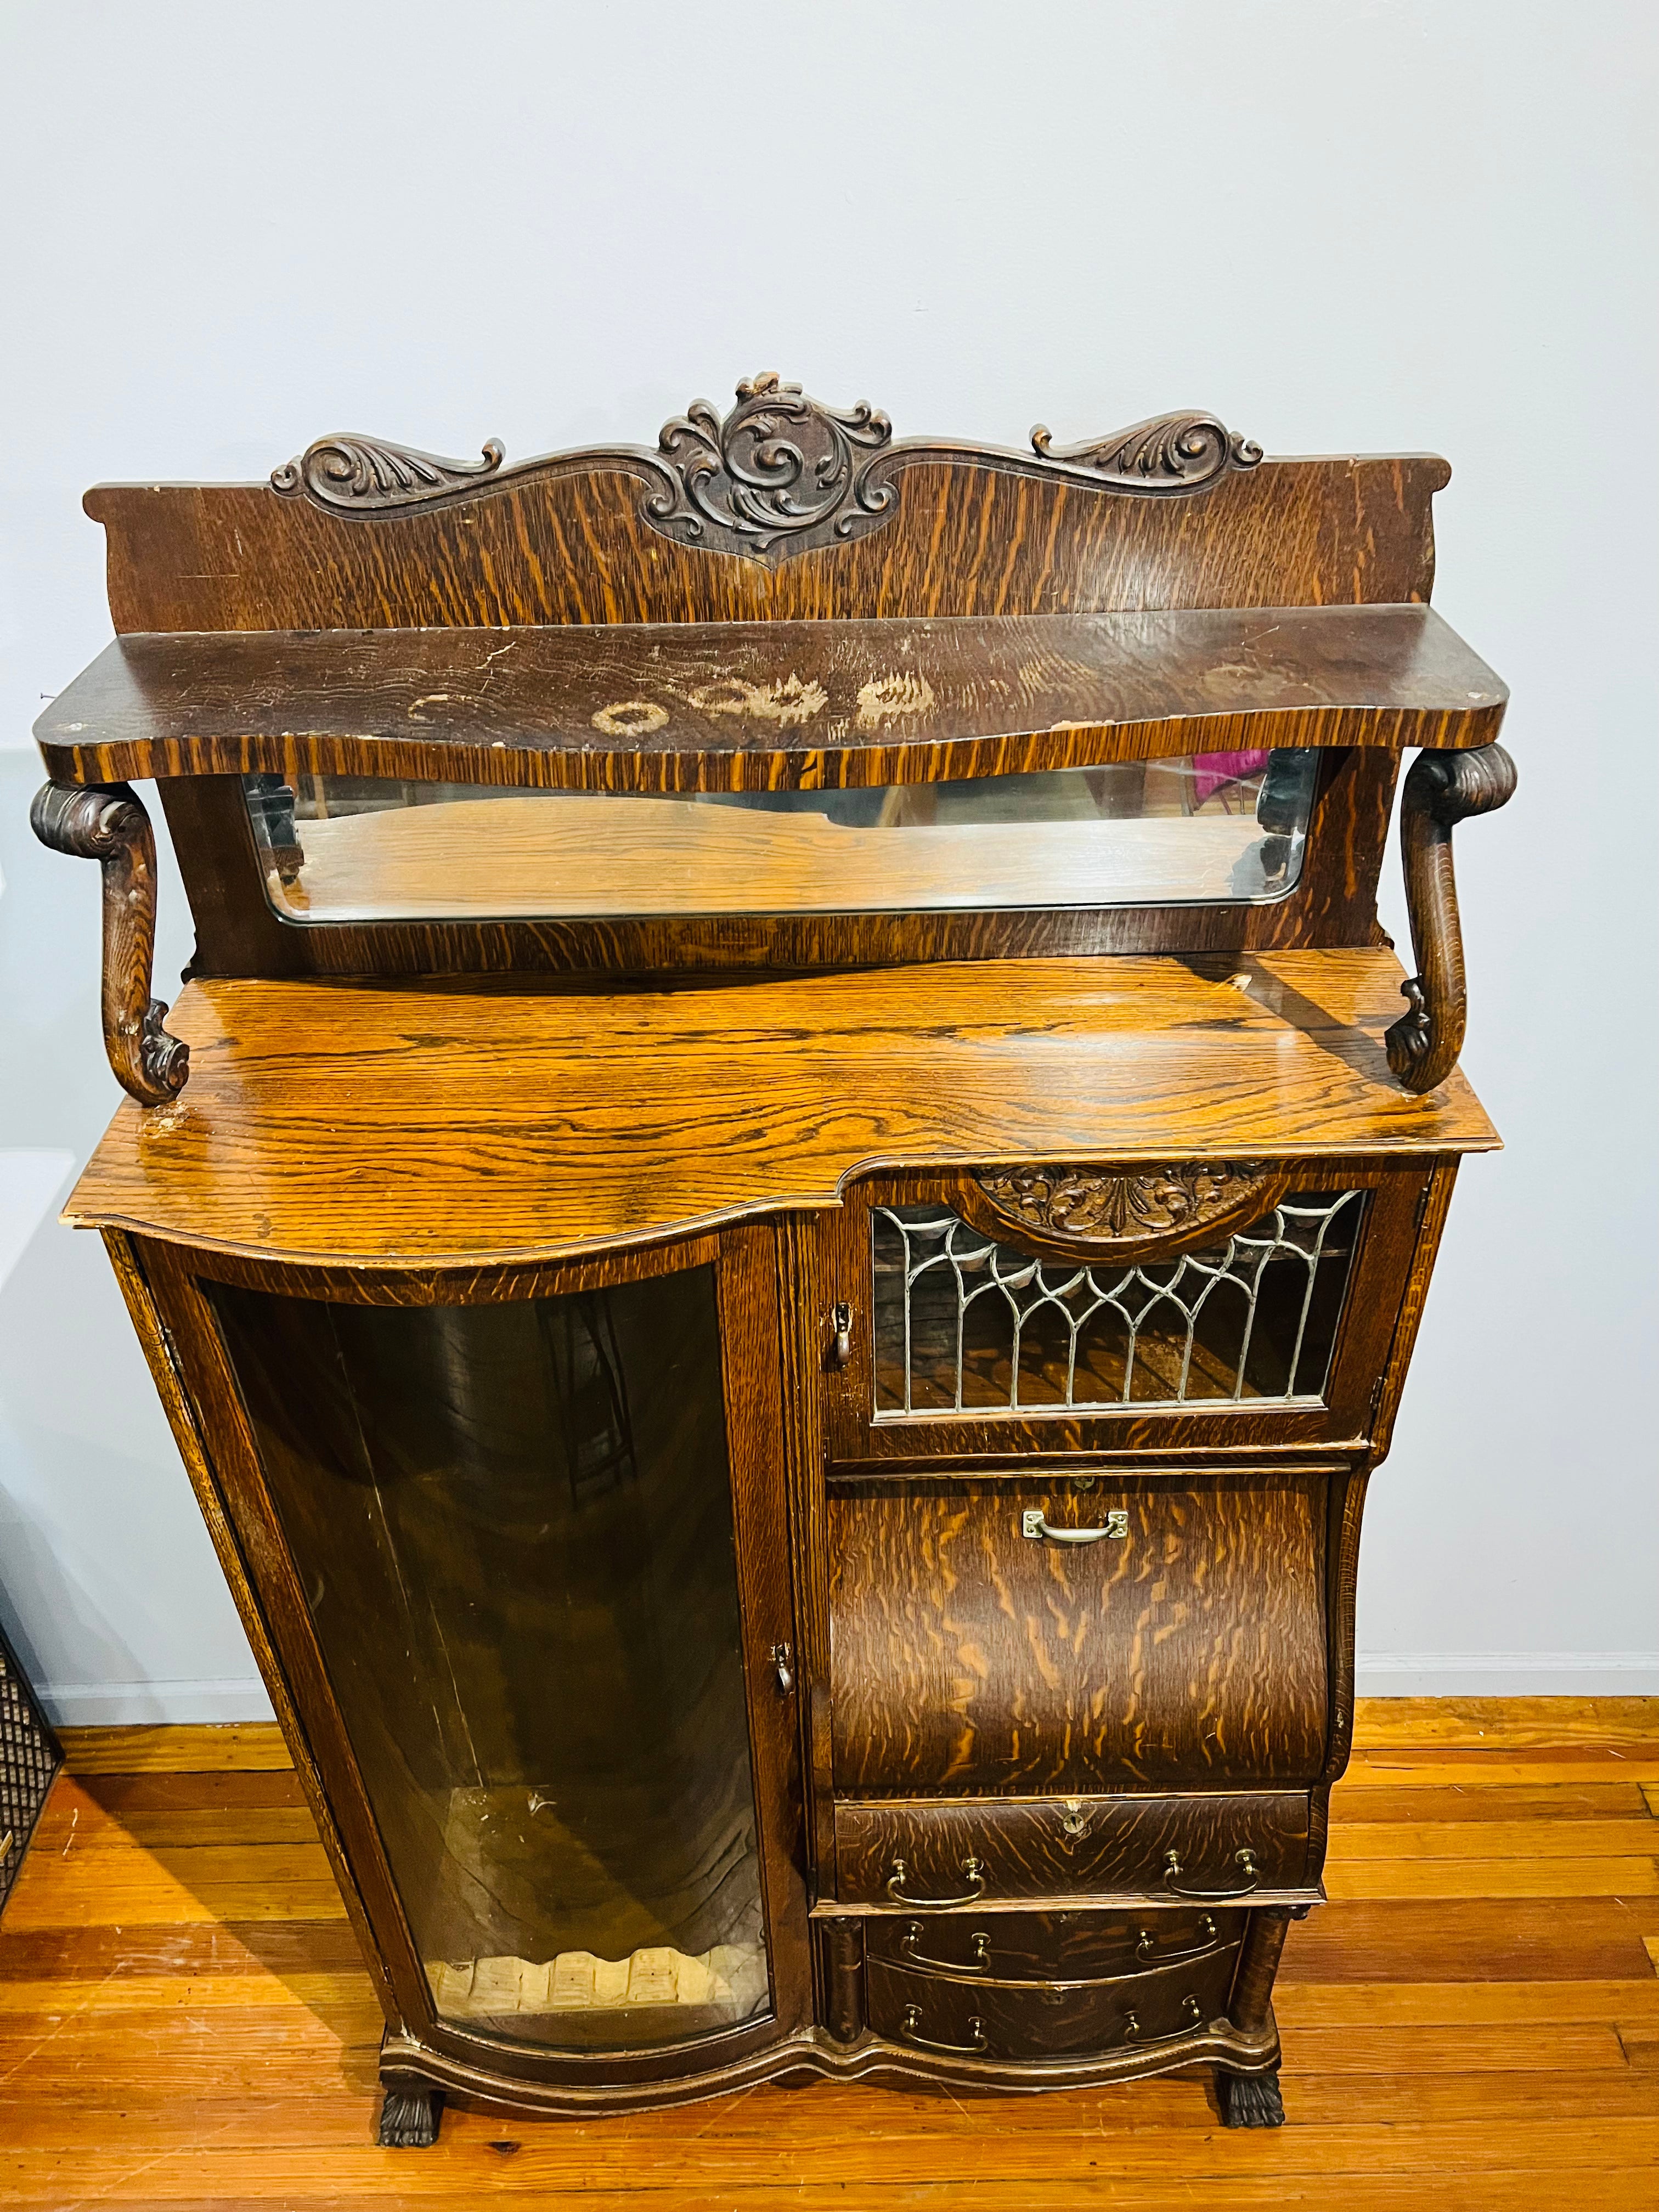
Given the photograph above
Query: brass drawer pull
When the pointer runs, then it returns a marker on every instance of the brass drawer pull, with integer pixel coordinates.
(1244, 1858)
(1034, 1522)
(910, 2029)
(980, 1963)
(972, 1872)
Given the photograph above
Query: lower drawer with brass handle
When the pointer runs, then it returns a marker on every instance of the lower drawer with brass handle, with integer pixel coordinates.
(936, 1855)
(968, 2019)
(1050, 1946)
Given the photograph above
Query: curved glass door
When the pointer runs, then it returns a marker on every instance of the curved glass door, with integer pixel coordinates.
(513, 1527)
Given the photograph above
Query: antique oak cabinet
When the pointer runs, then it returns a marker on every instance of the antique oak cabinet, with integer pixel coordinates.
(786, 1209)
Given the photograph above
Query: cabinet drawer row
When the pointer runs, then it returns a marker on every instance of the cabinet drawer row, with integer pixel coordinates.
(965, 2019)
(946, 1856)
(1069, 1948)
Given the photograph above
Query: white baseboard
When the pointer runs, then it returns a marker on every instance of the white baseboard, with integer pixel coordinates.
(1377, 1674)
(133, 1705)
(1507, 1675)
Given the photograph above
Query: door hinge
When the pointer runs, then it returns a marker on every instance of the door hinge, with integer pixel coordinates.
(1423, 1202)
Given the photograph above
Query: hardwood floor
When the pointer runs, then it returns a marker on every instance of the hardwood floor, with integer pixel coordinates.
(1473, 2022)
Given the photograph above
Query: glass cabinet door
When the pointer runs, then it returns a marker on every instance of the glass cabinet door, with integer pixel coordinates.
(512, 1525)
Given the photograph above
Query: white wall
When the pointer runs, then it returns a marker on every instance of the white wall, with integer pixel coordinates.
(1344, 224)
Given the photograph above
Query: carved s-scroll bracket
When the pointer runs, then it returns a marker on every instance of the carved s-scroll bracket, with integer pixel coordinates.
(107, 824)
(1441, 790)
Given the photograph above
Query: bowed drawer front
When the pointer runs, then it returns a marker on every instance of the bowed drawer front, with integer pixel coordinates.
(979, 2018)
(915, 1854)
(1065, 1635)
(1073, 1948)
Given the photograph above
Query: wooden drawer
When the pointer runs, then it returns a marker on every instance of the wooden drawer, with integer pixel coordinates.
(1187, 1650)
(976, 2018)
(908, 1855)
(1051, 1946)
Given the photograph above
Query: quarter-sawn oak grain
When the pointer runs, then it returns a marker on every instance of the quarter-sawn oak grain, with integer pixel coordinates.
(769, 705)
(451, 1126)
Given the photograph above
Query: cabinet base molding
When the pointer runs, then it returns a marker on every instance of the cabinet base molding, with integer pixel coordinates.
(414, 2075)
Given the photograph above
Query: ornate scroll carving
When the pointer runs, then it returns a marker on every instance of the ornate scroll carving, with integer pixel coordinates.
(1441, 790)
(367, 476)
(781, 474)
(108, 824)
(780, 468)
(1126, 1214)
(1169, 454)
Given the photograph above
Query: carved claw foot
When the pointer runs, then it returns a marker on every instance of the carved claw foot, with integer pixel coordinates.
(409, 2120)
(1249, 2101)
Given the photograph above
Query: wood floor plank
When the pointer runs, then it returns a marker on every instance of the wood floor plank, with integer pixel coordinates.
(99, 1949)
(1477, 1800)
(1493, 1877)
(890, 2158)
(1583, 2188)
(251, 1744)
(1469, 1939)
(1569, 1838)
(170, 1994)
(1428, 1768)
(1494, 1722)
(153, 1897)
(78, 1816)
(1445, 2004)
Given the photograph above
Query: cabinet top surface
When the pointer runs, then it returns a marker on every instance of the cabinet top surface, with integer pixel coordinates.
(457, 1124)
(665, 706)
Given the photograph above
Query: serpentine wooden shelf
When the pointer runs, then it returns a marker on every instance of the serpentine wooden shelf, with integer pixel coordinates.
(790, 1115)
(670, 706)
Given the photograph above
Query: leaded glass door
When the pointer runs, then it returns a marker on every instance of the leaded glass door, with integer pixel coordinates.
(966, 1334)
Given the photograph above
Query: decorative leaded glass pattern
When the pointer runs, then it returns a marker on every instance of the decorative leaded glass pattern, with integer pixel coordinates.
(29, 1757)
(964, 1323)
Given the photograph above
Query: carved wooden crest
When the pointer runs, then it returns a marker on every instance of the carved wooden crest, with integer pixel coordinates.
(779, 475)
(1123, 1214)
(780, 467)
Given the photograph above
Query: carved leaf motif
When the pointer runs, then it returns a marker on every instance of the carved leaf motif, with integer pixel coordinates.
(779, 475)
(368, 476)
(1169, 454)
(779, 467)
(1096, 1207)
